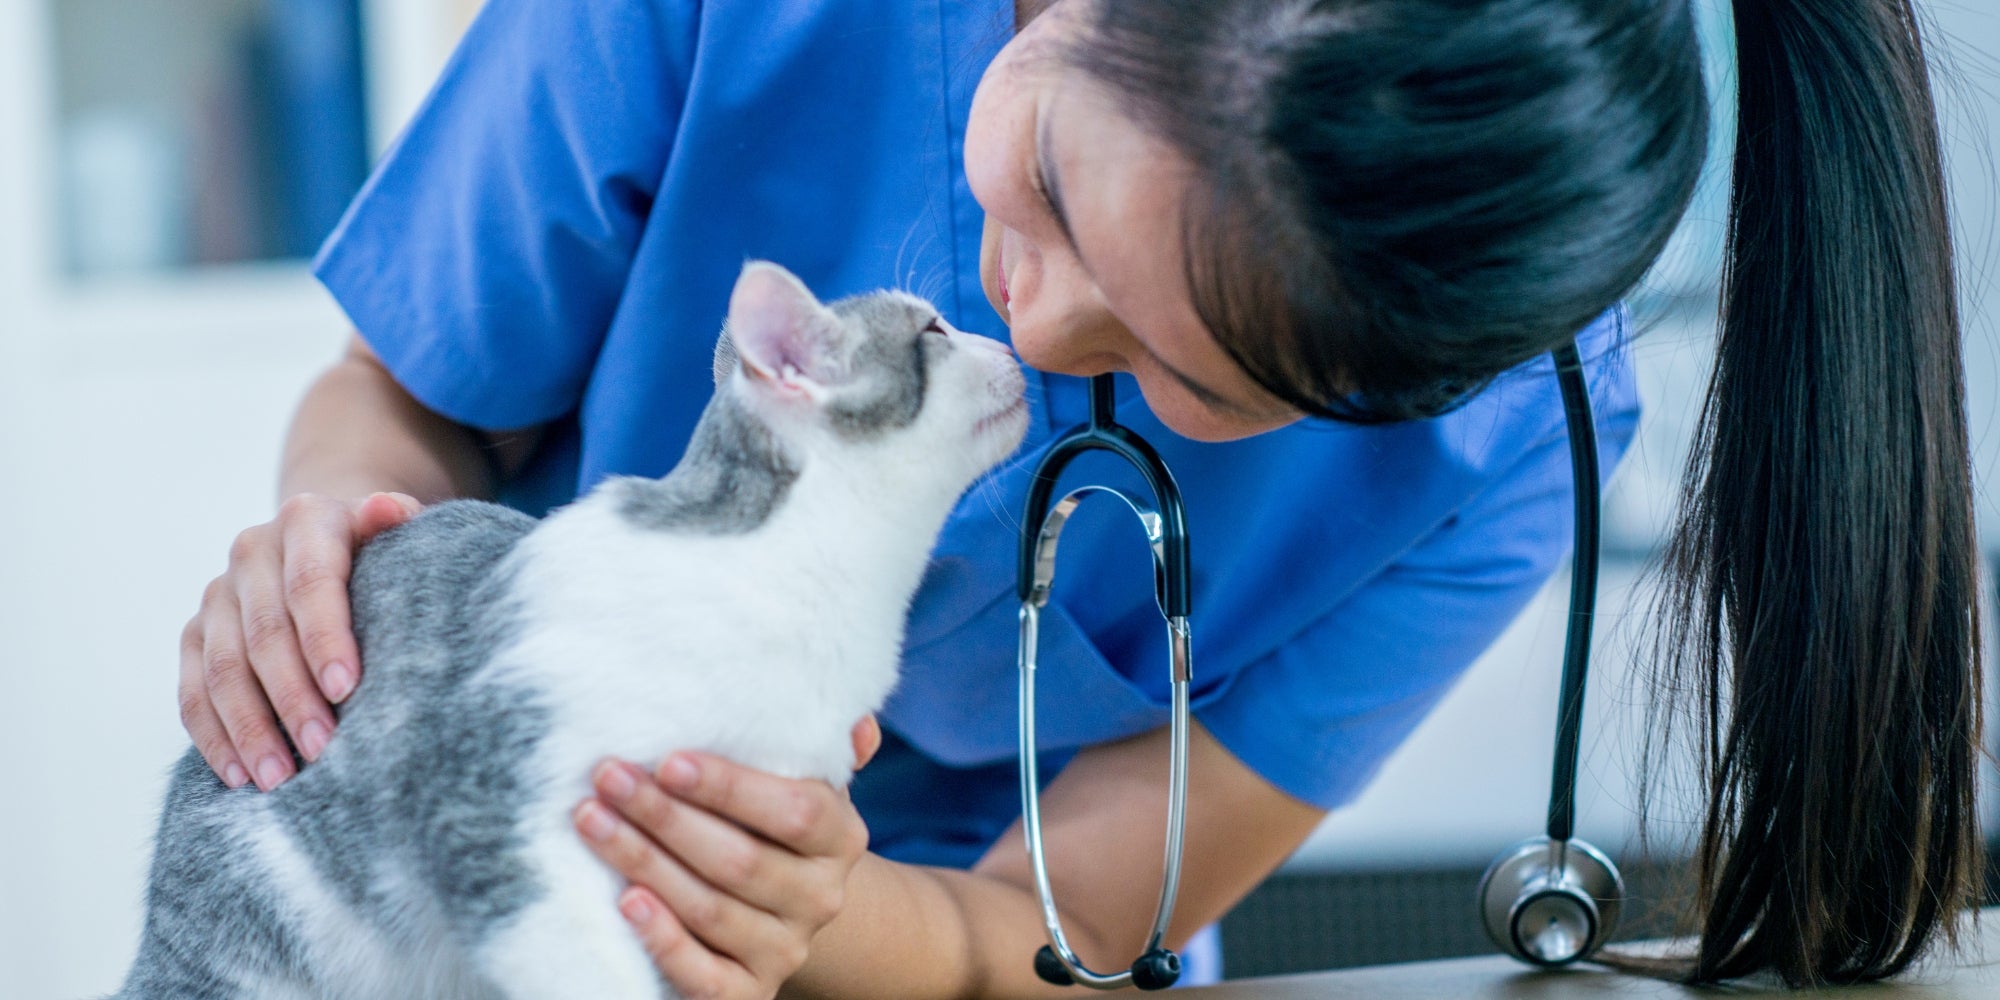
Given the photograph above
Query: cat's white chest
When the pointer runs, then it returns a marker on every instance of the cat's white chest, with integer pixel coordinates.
(641, 642)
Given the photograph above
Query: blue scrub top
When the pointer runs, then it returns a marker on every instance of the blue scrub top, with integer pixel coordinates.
(554, 241)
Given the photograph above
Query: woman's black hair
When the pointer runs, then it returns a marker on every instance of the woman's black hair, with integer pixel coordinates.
(1402, 199)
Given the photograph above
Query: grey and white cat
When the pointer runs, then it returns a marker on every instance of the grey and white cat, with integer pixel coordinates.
(750, 603)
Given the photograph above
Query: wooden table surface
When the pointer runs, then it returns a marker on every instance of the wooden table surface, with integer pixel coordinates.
(1973, 975)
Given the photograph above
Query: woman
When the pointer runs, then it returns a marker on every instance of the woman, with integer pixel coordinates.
(1375, 211)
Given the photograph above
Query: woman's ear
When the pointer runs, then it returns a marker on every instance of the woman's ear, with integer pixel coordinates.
(782, 335)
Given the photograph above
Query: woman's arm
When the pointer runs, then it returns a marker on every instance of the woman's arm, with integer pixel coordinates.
(358, 432)
(272, 643)
(918, 932)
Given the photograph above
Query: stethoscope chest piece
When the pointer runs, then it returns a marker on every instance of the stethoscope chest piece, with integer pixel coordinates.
(1551, 902)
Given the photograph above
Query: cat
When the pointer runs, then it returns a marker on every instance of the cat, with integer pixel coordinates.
(750, 604)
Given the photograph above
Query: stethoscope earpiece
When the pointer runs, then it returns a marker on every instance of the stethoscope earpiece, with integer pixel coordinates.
(1551, 902)
(1050, 968)
(1156, 970)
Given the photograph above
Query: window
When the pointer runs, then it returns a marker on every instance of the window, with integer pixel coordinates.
(203, 131)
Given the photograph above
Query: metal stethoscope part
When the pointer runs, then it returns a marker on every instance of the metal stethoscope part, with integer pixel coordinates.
(1166, 533)
(1548, 901)
(1553, 900)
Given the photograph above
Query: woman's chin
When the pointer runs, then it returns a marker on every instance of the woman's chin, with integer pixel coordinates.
(1037, 353)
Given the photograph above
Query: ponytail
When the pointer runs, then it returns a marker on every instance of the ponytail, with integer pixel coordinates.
(1821, 586)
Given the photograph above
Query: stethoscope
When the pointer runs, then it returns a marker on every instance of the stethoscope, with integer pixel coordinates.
(1548, 900)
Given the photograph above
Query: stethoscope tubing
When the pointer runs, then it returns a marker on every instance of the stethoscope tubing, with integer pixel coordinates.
(1166, 534)
(1166, 531)
(1103, 433)
(1582, 591)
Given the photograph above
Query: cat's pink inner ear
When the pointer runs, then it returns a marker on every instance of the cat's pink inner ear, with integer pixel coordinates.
(781, 332)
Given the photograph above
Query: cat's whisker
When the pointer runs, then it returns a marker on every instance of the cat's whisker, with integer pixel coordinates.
(896, 268)
(990, 492)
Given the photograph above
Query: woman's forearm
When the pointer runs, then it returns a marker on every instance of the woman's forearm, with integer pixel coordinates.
(917, 933)
(358, 432)
(912, 932)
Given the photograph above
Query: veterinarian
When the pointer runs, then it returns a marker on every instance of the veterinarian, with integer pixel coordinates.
(1327, 241)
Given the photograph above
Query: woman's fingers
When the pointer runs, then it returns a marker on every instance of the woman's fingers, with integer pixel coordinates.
(690, 968)
(317, 539)
(749, 865)
(379, 512)
(274, 641)
(725, 924)
(273, 647)
(198, 714)
(867, 737)
(232, 687)
(808, 817)
(760, 873)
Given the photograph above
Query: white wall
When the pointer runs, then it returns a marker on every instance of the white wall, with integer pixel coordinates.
(140, 422)
(139, 430)
(124, 487)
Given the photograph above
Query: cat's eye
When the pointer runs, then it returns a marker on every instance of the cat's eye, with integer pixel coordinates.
(936, 326)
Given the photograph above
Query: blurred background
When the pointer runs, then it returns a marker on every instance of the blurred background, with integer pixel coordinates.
(166, 168)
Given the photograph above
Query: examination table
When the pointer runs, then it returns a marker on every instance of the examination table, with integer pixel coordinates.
(1975, 975)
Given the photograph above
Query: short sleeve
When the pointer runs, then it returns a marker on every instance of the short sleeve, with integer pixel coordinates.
(486, 256)
(1319, 715)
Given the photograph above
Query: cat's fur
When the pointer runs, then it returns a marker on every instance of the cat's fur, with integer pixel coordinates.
(750, 603)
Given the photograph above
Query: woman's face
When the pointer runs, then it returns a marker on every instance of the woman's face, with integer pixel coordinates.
(1082, 253)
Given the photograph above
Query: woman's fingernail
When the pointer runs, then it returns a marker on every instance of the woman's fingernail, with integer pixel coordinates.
(271, 772)
(235, 776)
(312, 739)
(595, 822)
(635, 908)
(339, 682)
(679, 773)
(616, 781)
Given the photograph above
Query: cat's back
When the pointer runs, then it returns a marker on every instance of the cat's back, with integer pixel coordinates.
(430, 606)
(255, 894)
(424, 579)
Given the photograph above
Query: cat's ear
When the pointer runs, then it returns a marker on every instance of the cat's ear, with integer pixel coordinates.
(781, 334)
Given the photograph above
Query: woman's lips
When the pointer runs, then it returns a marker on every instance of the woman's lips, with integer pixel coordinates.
(1001, 278)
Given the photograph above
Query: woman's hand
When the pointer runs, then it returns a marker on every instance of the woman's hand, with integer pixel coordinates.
(733, 871)
(274, 640)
